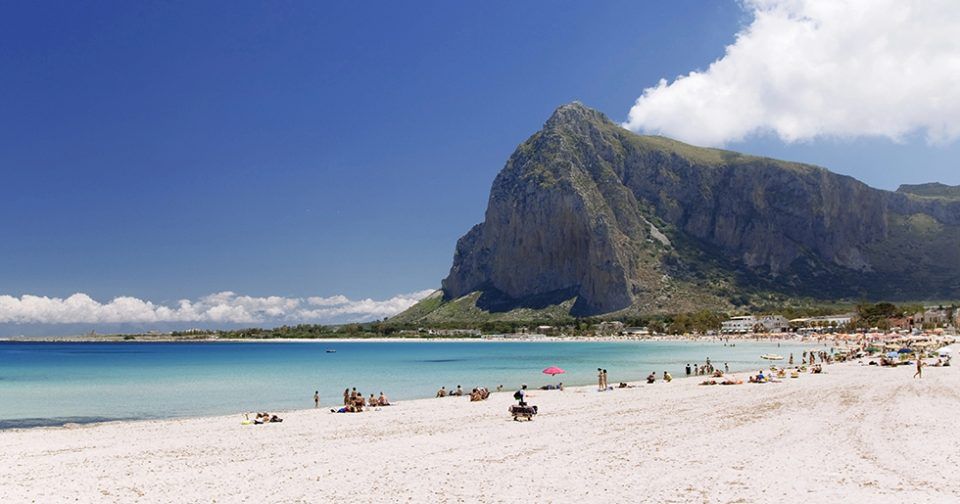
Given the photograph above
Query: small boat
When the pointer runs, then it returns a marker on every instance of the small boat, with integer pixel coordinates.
(330, 350)
(771, 357)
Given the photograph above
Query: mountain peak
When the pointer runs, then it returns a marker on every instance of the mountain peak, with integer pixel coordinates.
(575, 113)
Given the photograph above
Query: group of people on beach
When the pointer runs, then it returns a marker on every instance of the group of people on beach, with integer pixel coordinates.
(707, 369)
(354, 402)
(652, 377)
(477, 394)
(443, 392)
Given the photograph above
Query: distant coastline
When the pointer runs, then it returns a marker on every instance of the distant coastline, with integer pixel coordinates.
(526, 338)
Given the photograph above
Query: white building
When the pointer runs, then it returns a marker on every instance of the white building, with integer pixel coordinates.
(738, 325)
(746, 324)
(774, 323)
(836, 320)
(809, 324)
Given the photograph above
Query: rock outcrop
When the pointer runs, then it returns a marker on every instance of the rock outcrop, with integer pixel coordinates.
(586, 210)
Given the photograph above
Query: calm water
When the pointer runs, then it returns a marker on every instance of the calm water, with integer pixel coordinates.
(54, 383)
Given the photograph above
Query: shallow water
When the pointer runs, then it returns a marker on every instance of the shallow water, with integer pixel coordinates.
(57, 383)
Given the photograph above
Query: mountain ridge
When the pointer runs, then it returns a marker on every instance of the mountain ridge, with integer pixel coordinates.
(588, 213)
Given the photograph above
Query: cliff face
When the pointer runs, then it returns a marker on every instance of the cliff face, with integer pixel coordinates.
(587, 210)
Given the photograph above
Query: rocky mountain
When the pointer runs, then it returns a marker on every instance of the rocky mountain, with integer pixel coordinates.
(592, 218)
(933, 190)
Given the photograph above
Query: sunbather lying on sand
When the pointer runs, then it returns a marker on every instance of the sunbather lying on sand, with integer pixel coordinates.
(263, 418)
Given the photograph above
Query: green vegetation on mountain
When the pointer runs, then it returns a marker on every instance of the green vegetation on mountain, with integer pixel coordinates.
(931, 190)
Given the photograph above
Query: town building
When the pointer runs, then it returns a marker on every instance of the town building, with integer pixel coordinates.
(738, 325)
(749, 323)
(636, 331)
(811, 324)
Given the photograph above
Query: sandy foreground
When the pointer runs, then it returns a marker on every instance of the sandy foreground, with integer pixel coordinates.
(854, 434)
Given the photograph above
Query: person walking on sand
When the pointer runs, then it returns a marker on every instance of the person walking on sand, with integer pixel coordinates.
(316, 399)
(606, 384)
(599, 379)
(919, 373)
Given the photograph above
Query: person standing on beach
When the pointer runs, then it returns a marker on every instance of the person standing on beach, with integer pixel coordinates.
(726, 368)
(316, 399)
(919, 373)
(599, 379)
(521, 395)
(606, 384)
(688, 369)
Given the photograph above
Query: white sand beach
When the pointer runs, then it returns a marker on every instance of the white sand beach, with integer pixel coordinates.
(853, 434)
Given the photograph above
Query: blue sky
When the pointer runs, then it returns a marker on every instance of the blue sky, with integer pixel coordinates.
(171, 150)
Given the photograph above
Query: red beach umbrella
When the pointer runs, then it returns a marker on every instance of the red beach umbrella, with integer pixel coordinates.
(553, 371)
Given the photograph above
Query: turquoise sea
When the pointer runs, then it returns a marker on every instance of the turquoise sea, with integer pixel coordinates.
(55, 383)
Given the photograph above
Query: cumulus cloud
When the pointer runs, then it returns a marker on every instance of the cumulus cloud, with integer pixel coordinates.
(222, 307)
(804, 69)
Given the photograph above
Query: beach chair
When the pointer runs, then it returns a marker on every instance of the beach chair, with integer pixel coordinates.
(523, 412)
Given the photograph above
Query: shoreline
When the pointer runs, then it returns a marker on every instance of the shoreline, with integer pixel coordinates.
(482, 339)
(574, 386)
(821, 437)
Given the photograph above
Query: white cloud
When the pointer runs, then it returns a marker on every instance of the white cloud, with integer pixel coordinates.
(222, 307)
(811, 68)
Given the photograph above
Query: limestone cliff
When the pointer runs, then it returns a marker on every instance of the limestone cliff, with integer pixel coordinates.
(587, 211)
